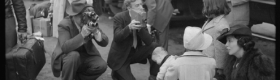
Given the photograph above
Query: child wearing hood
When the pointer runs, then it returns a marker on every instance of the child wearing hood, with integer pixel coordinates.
(193, 64)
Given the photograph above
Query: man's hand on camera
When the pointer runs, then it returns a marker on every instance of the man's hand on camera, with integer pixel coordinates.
(22, 36)
(97, 35)
(93, 30)
(85, 31)
(134, 25)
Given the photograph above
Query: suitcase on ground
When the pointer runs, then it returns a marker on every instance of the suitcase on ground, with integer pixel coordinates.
(26, 61)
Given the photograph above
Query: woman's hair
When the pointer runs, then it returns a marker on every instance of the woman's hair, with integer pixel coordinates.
(213, 8)
(246, 42)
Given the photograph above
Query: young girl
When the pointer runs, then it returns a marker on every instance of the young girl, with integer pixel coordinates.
(245, 62)
(193, 64)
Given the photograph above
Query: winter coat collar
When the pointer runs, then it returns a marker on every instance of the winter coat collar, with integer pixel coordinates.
(212, 23)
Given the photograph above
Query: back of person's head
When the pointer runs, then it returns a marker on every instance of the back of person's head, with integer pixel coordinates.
(195, 39)
(213, 8)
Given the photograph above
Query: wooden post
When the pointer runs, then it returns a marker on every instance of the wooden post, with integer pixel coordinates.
(58, 14)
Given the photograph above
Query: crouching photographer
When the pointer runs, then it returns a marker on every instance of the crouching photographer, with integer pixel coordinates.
(78, 58)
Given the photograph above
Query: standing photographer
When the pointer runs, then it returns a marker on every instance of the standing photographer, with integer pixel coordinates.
(80, 58)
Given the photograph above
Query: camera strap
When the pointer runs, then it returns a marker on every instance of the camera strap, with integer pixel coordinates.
(164, 59)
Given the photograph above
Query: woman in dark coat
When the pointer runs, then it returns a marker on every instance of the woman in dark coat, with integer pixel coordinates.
(245, 62)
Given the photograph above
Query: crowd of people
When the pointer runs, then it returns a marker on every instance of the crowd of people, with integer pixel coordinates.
(221, 49)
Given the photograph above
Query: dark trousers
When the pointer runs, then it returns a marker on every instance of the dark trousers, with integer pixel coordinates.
(81, 66)
(162, 40)
(10, 34)
(136, 56)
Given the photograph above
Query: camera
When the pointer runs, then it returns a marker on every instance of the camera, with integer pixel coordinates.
(90, 18)
(144, 22)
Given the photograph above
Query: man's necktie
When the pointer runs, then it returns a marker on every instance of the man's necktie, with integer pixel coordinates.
(134, 39)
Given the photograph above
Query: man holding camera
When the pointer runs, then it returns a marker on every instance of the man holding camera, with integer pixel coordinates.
(132, 43)
(80, 60)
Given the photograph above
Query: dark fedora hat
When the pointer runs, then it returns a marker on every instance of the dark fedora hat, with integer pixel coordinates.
(74, 7)
(241, 30)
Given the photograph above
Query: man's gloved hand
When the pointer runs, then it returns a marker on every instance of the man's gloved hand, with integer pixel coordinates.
(22, 36)
(96, 33)
(93, 30)
(85, 31)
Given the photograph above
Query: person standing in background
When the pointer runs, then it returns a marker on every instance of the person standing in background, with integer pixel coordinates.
(158, 17)
(115, 6)
(40, 9)
(239, 13)
(216, 25)
(96, 5)
(14, 7)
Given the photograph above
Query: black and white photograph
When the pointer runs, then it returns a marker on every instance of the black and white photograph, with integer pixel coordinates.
(140, 40)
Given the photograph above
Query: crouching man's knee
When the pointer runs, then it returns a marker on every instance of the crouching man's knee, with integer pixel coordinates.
(71, 57)
(97, 68)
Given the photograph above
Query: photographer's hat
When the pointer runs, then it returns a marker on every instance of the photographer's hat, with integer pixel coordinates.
(73, 7)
